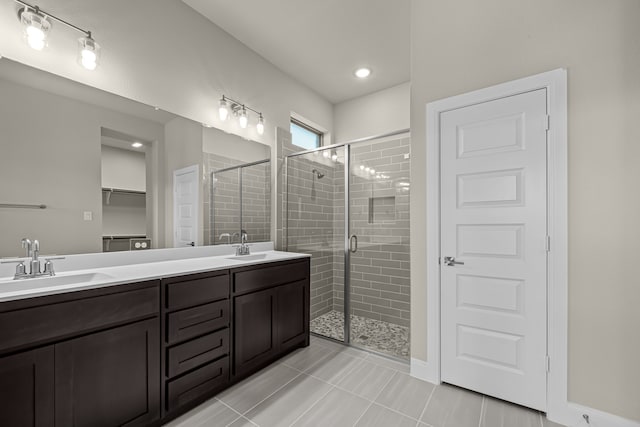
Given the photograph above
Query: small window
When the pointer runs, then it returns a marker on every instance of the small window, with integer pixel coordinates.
(305, 136)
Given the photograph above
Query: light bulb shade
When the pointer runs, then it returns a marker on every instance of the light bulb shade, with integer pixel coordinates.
(260, 125)
(223, 110)
(88, 53)
(243, 120)
(37, 27)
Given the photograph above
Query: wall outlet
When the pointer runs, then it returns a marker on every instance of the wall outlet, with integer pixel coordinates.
(88, 216)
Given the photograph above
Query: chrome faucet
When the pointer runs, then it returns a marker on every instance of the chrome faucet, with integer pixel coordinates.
(243, 248)
(227, 235)
(34, 265)
(32, 252)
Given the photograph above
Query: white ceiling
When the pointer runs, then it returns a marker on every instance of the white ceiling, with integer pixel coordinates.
(321, 42)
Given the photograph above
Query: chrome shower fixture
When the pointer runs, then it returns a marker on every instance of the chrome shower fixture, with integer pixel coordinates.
(317, 173)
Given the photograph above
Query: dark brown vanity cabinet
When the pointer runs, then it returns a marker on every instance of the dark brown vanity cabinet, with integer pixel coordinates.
(271, 312)
(141, 354)
(27, 388)
(87, 358)
(196, 338)
(108, 378)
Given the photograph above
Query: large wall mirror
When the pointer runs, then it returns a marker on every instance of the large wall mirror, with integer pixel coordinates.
(83, 170)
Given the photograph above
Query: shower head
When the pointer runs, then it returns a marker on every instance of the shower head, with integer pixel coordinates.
(318, 174)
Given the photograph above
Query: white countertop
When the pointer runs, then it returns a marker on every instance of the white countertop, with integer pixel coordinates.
(97, 276)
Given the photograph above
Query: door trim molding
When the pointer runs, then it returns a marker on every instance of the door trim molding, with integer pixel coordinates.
(556, 84)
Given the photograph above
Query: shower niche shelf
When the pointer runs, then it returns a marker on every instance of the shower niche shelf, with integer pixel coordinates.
(382, 209)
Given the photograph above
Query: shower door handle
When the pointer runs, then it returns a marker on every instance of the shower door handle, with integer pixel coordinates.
(353, 243)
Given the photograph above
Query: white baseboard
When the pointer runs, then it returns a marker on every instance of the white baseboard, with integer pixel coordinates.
(572, 416)
(423, 371)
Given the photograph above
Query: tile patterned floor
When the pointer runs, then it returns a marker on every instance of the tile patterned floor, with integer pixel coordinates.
(376, 335)
(328, 384)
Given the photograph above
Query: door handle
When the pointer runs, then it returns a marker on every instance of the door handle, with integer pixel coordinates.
(449, 260)
(353, 239)
(191, 244)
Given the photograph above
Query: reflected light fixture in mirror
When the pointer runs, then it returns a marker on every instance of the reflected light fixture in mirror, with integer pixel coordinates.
(37, 25)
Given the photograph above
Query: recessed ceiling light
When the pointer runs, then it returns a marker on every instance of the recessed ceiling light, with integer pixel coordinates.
(362, 73)
(136, 144)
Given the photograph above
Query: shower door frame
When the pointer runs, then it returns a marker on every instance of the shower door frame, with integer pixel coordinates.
(230, 168)
(347, 223)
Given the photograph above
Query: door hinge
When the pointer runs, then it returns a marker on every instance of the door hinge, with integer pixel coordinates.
(547, 122)
(439, 261)
(547, 363)
(548, 243)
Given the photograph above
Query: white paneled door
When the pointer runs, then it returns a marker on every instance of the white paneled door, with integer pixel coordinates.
(185, 206)
(494, 248)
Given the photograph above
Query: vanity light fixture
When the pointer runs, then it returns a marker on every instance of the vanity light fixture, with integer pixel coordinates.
(137, 144)
(240, 111)
(260, 125)
(223, 109)
(243, 120)
(37, 24)
(36, 27)
(88, 52)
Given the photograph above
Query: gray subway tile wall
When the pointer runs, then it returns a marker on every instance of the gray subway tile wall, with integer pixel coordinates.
(222, 200)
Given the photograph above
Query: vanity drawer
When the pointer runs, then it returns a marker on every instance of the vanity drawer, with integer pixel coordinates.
(260, 277)
(196, 289)
(185, 324)
(199, 351)
(66, 315)
(197, 383)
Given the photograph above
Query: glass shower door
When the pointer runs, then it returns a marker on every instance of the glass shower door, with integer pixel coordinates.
(378, 246)
(315, 225)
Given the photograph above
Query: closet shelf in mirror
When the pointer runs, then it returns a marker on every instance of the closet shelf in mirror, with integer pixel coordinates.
(110, 191)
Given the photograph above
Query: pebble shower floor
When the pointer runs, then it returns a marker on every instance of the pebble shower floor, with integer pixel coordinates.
(376, 335)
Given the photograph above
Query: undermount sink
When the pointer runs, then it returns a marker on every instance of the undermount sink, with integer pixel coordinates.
(63, 279)
(248, 257)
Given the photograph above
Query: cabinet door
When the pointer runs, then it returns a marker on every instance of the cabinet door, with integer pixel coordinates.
(255, 329)
(109, 378)
(293, 314)
(27, 389)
